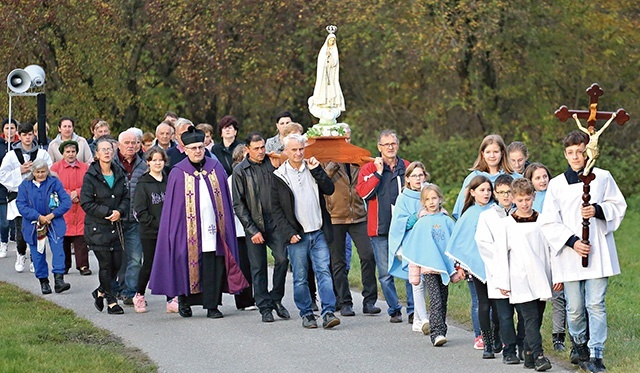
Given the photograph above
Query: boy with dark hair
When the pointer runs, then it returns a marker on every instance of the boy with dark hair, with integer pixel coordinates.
(561, 222)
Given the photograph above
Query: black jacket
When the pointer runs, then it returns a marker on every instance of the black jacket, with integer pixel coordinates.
(147, 204)
(98, 201)
(283, 205)
(225, 155)
(246, 181)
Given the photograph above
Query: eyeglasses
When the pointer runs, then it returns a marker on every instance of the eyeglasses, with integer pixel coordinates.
(504, 194)
(195, 148)
(389, 145)
(105, 150)
(417, 176)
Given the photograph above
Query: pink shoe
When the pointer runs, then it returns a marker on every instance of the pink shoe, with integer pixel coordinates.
(172, 305)
(139, 304)
(478, 344)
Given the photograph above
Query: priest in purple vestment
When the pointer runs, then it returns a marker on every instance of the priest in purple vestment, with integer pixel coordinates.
(196, 255)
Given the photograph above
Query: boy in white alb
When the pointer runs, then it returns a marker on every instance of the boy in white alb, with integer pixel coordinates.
(490, 232)
(526, 256)
(561, 223)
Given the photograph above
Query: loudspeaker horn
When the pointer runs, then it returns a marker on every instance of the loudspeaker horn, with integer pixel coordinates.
(37, 75)
(19, 81)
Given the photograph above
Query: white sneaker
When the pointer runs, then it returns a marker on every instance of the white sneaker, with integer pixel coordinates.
(417, 325)
(440, 340)
(21, 260)
(31, 269)
(3, 249)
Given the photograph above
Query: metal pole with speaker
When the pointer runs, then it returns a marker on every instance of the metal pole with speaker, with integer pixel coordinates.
(30, 82)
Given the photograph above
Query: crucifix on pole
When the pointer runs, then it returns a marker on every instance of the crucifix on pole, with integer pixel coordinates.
(591, 150)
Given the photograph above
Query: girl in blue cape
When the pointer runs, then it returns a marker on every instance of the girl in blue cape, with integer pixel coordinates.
(423, 248)
(491, 162)
(463, 249)
(404, 215)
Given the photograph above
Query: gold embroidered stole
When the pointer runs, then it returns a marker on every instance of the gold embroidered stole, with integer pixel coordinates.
(193, 252)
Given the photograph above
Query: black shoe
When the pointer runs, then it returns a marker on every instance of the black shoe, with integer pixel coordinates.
(573, 356)
(529, 362)
(558, 342)
(214, 313)
(184, 309)
(599, 365)
(115, 310)
(396, 317)
(309, 322)
(44, 286)
(59, 284)
(371, 309)
(85, 271)
(127, 301)
(329, 320)
(347, 311)
(542, 364)
(410, 318)
(267, 316)
(510, 359)
(98, 300)
(281, 311)
(587, 366)
(521, 353)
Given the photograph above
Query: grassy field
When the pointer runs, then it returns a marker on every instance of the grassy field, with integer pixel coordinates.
(623, 300)
(39, 336)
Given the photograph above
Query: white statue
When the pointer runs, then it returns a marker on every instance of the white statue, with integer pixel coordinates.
(327, 101)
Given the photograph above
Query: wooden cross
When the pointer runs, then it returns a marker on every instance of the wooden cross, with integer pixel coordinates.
(591, 115)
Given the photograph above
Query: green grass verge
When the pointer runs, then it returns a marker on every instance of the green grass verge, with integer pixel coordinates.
(623, 301)
(39, 336)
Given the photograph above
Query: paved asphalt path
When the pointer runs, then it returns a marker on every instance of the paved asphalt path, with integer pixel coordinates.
(240, 342)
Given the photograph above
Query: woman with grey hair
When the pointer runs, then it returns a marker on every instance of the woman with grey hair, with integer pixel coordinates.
(42, 202)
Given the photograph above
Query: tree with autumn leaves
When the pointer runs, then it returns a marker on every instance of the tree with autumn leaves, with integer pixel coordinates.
(441, 73)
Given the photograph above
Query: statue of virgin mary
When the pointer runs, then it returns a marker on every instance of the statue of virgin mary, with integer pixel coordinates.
(327, 93)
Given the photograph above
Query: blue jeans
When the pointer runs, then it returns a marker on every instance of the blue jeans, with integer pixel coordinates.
(587, 297)
(381, 253)
(312, 245)
(133, 250)
(475, 321)
(4, 223)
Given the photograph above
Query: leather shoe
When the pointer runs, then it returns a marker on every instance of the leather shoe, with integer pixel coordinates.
(184, 309)
(214, 313)
(371, 309)
(45, 287)
(281, 311)
(396, 317)
(347, 311)
(98, 300)
(85, 271)
(267, 316)
(115, 310)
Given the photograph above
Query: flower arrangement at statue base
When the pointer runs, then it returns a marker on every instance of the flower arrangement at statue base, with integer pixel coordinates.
(323, 130)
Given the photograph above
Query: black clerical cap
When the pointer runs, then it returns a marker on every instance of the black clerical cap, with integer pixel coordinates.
(192, 135)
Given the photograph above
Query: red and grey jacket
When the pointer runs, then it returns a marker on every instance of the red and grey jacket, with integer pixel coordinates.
(380, 193)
